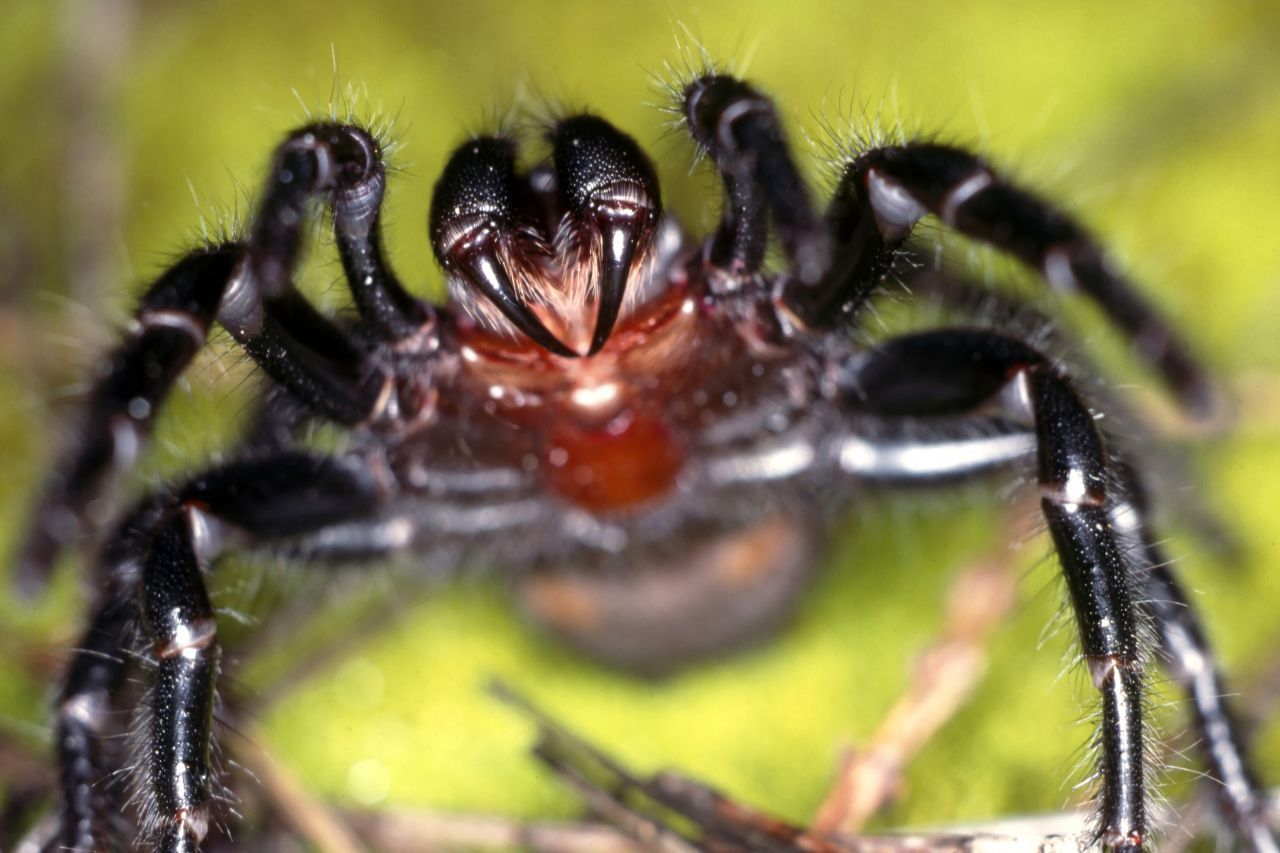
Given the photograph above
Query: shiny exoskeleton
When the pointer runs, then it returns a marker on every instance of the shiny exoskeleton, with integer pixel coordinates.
(604, 394)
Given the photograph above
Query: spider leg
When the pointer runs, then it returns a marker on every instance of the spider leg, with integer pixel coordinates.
(157, 562)
(884, 192)
(1186, 654)
(739, 127)
(90, 812)
(952, 371)
(1143, 446)
(384, 305)
(961, 450)
(925, 374)
(248, 289)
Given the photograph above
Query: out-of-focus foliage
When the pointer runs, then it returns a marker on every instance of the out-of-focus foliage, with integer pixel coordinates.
(1157, 124)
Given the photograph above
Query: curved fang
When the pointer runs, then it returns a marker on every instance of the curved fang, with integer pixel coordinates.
(474, 213)
(621, 230)
(485, 271)
(609, 190)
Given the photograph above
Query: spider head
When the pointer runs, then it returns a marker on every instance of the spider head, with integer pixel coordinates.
(557, 254)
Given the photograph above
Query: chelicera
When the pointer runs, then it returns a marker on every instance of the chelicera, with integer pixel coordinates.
(605, 404)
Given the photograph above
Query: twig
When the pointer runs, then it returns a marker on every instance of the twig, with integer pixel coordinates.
(944, 677)
(673, 814)
(308, 816)
(413, 830)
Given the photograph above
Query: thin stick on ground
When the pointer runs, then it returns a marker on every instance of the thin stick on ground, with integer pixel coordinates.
(307, 815)
(944, 677)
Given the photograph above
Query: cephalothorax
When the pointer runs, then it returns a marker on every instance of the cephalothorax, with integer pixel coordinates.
(603, 394)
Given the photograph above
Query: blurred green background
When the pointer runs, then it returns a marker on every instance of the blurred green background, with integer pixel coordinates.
(128, 123)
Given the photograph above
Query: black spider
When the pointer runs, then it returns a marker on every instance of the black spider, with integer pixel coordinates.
(601, 395)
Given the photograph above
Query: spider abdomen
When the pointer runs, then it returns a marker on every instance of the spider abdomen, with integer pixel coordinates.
(672, 607)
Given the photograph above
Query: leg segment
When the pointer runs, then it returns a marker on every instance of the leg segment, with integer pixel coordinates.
(384, 305)
(926, 383)
(953, 371)
(177, 619)
(90, 812)
(161, 557)
(969, 302)
(1186, 654)
(248, 288)
(963, 450)
(739, 128)
(341, 163)
(892, 188)
(168, 329)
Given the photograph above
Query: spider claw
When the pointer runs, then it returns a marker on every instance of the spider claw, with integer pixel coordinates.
(484, 270)
(608, 186)
(622, 230)
(473, 225)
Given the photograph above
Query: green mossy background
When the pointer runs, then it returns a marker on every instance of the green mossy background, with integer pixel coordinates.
(1156, 123)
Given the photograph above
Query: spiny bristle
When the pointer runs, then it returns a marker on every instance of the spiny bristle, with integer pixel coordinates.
(505, 120)
(218, 221)
(579, 254)
(850, 130)
(350, 103)
(560, 282)
(692, 61)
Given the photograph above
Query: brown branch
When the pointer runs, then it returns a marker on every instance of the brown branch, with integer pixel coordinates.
(673, 814)
(406, 830)
(306, 815)
(944, 677)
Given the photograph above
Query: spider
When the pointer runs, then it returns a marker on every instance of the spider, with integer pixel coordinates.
(603, 404)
